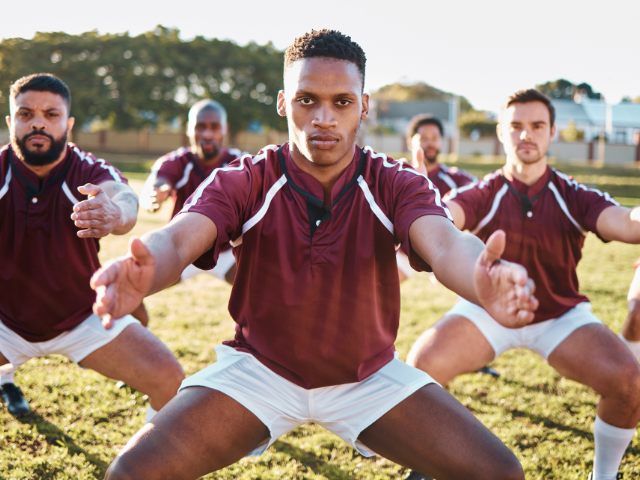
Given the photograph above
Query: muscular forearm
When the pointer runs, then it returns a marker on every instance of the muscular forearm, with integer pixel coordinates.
(452, 254)
(127, 201)
(620, 223)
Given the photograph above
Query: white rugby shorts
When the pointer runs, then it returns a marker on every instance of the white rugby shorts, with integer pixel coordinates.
(541, 338)
(74, 344)
(345, 410)
(226, 260)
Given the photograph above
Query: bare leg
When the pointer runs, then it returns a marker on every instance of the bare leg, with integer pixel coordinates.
(141, 315)
(594, 356)
(433, 433)
(631, 327)
(451, 347)
(141, 360)
(3, 361)
(199, 431)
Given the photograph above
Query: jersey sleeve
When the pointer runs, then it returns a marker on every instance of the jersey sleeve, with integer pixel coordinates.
(461, 177)
(585, 203)
(169, 167)
(474, 199)
(222, 197)
(97, 170)
(414, 196)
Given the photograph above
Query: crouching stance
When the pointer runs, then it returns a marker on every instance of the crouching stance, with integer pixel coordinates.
(546, 216)
(316, 299)
(56, 201)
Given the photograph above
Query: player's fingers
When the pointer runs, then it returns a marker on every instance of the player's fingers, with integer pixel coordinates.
(90, 189)
(106, 275)
(84, 215)
(494, 248)
(91, 233)
(140, 252)
(524, 317)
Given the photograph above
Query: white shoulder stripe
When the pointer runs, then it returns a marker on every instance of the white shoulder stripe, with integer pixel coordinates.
(408, 169)
(253, 221)
(494, 208)
(101, 161)
(564, 208)
(185, 176)
(67, 192)
(374, 206)
(575, 184)
(5, 187)
(198, 193)
(447, 179)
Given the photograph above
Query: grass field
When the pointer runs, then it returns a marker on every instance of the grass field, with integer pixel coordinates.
(81, 419)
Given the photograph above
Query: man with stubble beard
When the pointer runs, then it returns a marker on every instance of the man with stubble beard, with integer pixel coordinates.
(546, 216)
(177, 174)
(56, 202)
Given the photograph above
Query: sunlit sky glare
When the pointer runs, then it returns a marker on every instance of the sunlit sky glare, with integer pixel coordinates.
(482, 49)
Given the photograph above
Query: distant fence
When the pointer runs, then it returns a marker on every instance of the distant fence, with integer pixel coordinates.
(159, 143)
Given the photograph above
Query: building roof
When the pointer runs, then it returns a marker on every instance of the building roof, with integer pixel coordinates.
(408, 110)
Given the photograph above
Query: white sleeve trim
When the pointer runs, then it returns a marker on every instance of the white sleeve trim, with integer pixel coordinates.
(5, 187)
(374, 206)
(409, 169)
(185, 176)
(447, 179)
(101, 161)
(494, 208)
(565, 209)
(67, 192)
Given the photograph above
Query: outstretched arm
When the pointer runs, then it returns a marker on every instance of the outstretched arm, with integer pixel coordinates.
(619, 223)
(462, 263)
(155, 261)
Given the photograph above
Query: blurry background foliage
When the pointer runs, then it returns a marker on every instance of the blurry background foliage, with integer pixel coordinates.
(123, 82)
(400, 92)
(478, 121)
(562, 88)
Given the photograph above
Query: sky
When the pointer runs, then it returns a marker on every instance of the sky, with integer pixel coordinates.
(481, 49)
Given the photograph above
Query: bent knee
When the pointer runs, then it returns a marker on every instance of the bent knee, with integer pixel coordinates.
(120, 469)
(626, 383)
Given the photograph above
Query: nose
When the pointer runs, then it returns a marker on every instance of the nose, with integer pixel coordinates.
(525, 135)
(324, 118)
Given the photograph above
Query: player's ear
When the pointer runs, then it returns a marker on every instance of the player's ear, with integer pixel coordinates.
(553, 131)
(365, 106)
(70, 123)
(281, 105)
(8, 120)
(499, 132)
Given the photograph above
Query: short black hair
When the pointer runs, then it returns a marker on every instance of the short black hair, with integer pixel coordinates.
(423, 119)
(328, 44)
(530, 95)
(41, 82)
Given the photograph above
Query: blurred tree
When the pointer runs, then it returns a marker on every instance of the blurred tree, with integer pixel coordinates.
(399, 92)
(571, 133)
(562, 88)
(152, 79)
(475, 120)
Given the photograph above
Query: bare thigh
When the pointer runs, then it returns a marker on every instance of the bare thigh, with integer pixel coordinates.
(141, 360)
(431, 432)
(200, 431)
(453, 346)
(3, 360)
(594, 356)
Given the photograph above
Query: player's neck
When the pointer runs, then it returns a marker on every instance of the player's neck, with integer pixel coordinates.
(527, 173)
(327, 175)
(43, 170)
(431, 166)
(207, 162)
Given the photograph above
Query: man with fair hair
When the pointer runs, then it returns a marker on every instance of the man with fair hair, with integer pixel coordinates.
(56, 202)
(546, 216)
(176, 175)
(316, 300)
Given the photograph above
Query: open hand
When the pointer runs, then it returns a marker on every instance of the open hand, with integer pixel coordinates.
(98, 216)
(122, 283)
(503, 288)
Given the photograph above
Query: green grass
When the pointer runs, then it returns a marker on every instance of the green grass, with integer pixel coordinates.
(81, 419)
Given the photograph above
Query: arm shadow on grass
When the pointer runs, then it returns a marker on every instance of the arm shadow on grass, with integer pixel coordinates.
(56, 437)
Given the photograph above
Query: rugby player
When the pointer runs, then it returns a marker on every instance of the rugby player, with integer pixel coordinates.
(56, 202)
(546, 216)
(177, 174)
(630, 334)
(316, 300)
(424, 138)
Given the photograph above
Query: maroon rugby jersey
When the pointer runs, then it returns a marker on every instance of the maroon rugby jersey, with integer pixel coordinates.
(317, 296)
(185, 172)
(44, 266)
(548, 239)
(448, 178)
